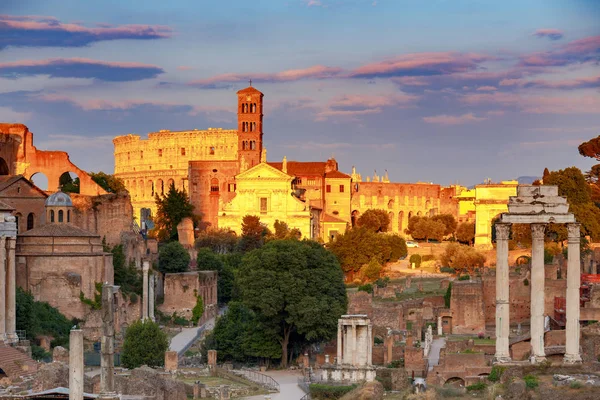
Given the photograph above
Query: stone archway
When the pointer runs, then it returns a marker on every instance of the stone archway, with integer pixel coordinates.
(4, 170)
(40, 180)
(455, 381)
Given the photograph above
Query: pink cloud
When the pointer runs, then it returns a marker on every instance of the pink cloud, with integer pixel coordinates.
(577, 51)
(575, 83)
(495, 113)
(314, 72)
(452, 120)
(486, 89)
(552, 34)
(538, 104)
(422, 64)
(353, 106)
(75, 60)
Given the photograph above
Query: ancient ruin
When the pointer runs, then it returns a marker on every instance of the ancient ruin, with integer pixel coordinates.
(8, 280)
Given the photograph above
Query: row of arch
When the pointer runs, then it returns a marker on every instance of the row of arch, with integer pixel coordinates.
(400, 221)
(60, 216)
(248, 108)
(249, 145)
(411, 202)
(248, 126)
(141, 189)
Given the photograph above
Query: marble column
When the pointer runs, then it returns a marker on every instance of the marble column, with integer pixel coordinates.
(151, 298)
(107, 359)
(11, 292)
(573, 283)
(537, 293)
(370, 344)
(146, 268)
(339, 343)
(439, 326)
(502, 293)
(353, 343)
(76, 364)
(2, 289)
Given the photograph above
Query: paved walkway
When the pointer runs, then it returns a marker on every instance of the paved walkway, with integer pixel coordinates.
(288, 383)
(184, 339)
(434, 352)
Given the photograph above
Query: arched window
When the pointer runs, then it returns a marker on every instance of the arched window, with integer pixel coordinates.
(51, 215)
(68, 215)
(214, 185)
(4, 170)
(251, 127)
(212, 150)
(30, 221)
(60, 216)
(254, 107)
(243, 145)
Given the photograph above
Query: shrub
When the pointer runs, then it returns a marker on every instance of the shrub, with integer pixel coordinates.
(496, 373)
(396, 364)
(178, 320)
(526, 282)
(198, 310)
(366, 288)
(173, 257)
(382, 282)
(476, 386)
(531, 381)
(95, 304)
(464, 277)
(415, 259)
(427, 257)
(448, 295)
(575, 385)
(377, 340)
(372, 270)
(448, 270)
(320, 391)
(145, 344)
(39, 353)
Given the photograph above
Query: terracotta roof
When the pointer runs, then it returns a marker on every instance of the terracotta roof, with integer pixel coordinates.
(54, 230)
(15, 363)
(336, 174)
(331, 218)
(299, 168)
(249, 89)
(5, 207)
(7, 180)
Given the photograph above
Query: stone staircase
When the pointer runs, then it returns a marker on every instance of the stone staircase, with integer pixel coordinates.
(15, 363)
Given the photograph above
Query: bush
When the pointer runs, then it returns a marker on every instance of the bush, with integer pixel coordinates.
(427, 257)
(173, 257)
(496, 373)
(320, 391)
(396, 364)
(198, 310)
(575, 385)
(382, 282)
(531, 381)
(145, 344)
(366, 288)
(447, 270)
(377, 340)
(178, 320)
(464, 277)
(39, 353)
(462, 258)
(372, 270)
(448, 295)
(449, 392)
(415, 259)
(476, 386)
(526, 282)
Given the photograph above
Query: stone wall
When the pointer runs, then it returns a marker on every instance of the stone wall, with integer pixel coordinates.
(127, 310)
(467, 308)
(180, 291)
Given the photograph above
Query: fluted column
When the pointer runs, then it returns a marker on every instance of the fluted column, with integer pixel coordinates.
(538, 353)
(339, 343)
(502, 293)
(573, 283)
(11, 292)
(146, 268)
(2, 289)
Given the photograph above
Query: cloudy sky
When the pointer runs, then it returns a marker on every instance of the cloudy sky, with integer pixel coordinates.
(443, 91)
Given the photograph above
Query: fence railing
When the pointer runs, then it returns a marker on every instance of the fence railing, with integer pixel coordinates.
(257, 377)
(304, 384)
(307, 396)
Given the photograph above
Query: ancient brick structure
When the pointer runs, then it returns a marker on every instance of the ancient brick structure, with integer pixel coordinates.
(181, 290)
(26, 199)
(466, 305)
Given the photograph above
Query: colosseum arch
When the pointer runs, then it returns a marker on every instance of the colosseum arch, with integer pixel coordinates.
(4, 170)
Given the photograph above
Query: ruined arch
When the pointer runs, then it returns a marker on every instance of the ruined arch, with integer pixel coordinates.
(390, 204)
(160, 187)
(141, 191)
(40, 180)
(410, 215)
(4, 170)
(455, 381)
(69, 182)
(30, 221)
(150, 186)
(169, 183)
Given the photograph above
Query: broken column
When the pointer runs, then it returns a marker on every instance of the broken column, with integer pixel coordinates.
(502, 293)
(2, 289)
(538, 353)
(151, 298)
(212, 359)
(440, 331)
(107, 362)
(146, 268)
(171, 361)
(573, 283)
(76, 364)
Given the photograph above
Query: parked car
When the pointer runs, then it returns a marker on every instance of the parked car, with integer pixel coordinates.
(411, 243)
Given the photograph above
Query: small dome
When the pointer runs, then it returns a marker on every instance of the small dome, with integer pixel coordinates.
(59, 199)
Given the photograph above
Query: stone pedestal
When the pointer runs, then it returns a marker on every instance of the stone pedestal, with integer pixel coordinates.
(212, 359)
(171, 361)
(76, 364)
(502, 294)
(538, 353)
(573, 282)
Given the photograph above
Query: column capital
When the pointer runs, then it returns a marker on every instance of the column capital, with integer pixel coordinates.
(574, 230)
(503, 230)
(538, 231)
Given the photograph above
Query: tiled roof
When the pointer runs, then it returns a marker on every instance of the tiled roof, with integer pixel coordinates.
(15, 363)
(331, 218)
(249, 89)
(5, 207)
(299, 168)
(58, 230)
(7, 180)
(337, 174)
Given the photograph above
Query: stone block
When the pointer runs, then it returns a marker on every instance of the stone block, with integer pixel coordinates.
(171, 361)
(212, 358)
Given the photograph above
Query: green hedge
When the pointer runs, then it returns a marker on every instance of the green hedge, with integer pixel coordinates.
(319, 391)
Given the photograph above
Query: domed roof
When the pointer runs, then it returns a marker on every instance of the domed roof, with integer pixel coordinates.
(59, 199)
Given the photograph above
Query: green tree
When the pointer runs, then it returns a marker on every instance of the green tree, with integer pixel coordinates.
(198, 309)
(282, 231)
(173, 257)
(358, 246)
(426, 228)
(108, 182)
(449, 222)
(220, 241)
(397, 246)
(465, 233)
(464, 259)
(68, 184)
(209, 261)
(253, 233)
(375, 220)
(412, 223)
(145, 344)
(372, 270)
(127, 276)
(295, 287)
(571, 184)
(171, 209)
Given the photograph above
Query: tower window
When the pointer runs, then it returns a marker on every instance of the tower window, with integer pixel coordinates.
(68, 215)
(60, 215)
(183, 151)
(160, 152)
(212, 150)
(51, 215)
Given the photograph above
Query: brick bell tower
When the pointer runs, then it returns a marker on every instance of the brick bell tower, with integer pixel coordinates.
(250, 125)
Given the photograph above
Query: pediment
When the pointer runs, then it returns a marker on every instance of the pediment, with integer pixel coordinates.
(263, 171)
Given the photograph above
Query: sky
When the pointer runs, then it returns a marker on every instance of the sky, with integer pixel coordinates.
(443, 91)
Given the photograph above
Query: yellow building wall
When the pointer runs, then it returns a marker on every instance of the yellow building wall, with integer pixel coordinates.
(148, 166)
(490, 201)
(337, 202)
(264, 181)
(466, 201)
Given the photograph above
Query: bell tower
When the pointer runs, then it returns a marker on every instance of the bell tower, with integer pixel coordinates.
(250, 121)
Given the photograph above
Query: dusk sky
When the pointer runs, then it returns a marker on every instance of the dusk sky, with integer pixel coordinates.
(444, 91)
